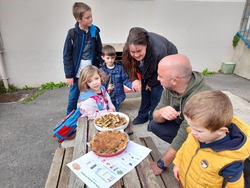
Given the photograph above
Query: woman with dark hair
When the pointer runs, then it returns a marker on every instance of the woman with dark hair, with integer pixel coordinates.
(141, 54)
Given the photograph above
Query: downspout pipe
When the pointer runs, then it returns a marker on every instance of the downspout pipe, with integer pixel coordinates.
(2, 68)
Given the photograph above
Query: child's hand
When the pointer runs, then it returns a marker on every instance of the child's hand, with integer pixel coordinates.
(176, 171)
(69, 81)
(111, 110)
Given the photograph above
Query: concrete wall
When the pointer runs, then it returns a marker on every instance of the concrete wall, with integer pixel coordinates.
(241, 57)
(34, 31)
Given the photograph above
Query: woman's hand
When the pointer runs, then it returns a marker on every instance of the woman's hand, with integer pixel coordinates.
(148, 88)
(136, 85)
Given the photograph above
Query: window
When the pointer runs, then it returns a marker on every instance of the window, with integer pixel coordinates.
(245, 24)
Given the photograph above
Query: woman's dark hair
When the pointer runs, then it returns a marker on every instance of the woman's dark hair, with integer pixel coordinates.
(136, 36)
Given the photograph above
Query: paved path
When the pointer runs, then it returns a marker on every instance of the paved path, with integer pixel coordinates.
(27, 146)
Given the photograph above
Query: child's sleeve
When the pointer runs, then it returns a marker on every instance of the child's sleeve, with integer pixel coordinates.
(90, 109)
(110, 104)
(236, 184)
(233, 174)
(99, 49)
(126, 81)
(68, 57)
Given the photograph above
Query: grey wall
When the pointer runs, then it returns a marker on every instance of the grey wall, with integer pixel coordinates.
(33, 32)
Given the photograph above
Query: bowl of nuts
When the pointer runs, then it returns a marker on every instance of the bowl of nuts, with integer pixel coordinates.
(111, 121)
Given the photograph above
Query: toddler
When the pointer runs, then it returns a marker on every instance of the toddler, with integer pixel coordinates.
(94, 101)
(217, 145)
(117, 76)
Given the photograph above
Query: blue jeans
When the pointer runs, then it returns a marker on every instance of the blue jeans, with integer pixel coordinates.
(149, 100)
(166, 131)
(74, 93)
(117, 106)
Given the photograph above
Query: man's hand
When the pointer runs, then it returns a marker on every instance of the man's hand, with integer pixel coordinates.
(169, 113)
(156, 169)
(167, 159)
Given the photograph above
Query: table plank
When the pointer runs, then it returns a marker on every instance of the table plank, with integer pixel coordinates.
(79, 149)
(145, 173)
(167, 177)
(55, 169)
(131, 179)
(65, 171)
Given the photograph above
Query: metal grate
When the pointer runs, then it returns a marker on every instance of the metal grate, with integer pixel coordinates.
(10, 98)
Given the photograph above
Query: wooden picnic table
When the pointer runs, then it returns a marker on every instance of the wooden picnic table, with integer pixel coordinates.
(141, 176)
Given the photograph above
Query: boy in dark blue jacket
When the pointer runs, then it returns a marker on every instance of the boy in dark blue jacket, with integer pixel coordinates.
(82, 47)
(117, 76)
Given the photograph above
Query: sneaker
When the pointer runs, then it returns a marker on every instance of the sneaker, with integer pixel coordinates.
(137, 121)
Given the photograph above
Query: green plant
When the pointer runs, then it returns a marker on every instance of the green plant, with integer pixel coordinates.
(206, 72)
(52, 85)
(11, 89)
(27, 88)
(32, 97)
(236, 39)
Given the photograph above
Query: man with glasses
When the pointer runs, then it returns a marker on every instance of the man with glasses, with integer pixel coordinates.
(179, 83)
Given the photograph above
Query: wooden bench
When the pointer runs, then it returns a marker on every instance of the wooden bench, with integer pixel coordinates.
(59, 172)
(166, 179)
(141, 176)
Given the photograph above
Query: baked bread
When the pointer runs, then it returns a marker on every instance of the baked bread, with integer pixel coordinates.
(109, 142)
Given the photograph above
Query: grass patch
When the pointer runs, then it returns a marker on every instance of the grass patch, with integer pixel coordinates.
(33, 97)
(52, 85)
(46, 86)
(206, 72)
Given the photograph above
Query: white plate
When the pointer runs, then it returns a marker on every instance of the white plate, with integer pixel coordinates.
(121, 128)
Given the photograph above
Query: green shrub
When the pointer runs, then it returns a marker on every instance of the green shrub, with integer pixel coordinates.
(52, 85)
(236, 39)
(206, 72)
(11, 89)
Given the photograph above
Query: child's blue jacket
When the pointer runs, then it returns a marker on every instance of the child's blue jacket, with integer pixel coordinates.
(119, 78)
(73, 50)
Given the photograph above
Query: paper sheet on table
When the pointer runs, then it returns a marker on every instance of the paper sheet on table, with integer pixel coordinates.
(103, 172)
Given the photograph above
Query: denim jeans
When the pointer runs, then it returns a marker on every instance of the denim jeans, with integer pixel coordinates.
(117, 106)
(149, 100)
(166, 131)
(73, 96)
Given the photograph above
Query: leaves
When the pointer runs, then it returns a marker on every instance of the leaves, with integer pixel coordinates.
(206, 72)
(52, 85)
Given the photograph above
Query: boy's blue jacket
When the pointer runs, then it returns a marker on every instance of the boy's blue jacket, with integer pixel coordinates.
(73, 49)
(119, 78)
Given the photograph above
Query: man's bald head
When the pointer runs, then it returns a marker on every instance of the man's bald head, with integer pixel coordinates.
(177, 64)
